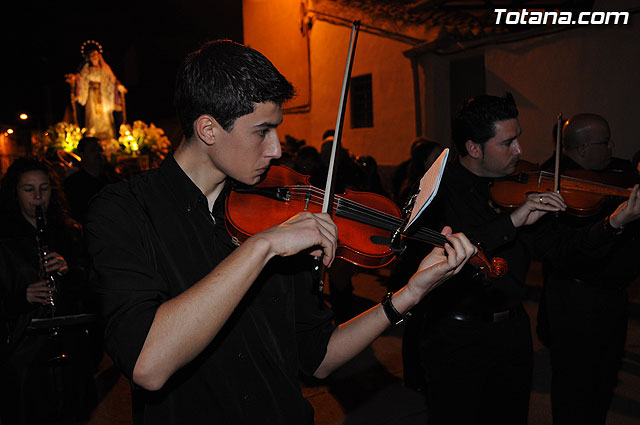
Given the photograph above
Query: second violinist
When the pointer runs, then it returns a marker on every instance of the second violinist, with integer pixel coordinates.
(584, 310)
(477, 343)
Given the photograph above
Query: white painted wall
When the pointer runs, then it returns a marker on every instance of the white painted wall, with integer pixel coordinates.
(590, 69)
(273, 28)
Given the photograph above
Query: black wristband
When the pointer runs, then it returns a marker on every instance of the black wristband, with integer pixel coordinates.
(390, 311)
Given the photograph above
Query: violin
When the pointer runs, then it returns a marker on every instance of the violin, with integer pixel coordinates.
(368, 224)
(583, 191)
(365, 220)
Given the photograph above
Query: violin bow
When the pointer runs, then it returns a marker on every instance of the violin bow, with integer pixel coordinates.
(327, 203)
(556, 178)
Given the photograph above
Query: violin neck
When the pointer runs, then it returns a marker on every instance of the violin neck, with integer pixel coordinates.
(572, 183)
(430, 236)
(385, 221)
(601, 189)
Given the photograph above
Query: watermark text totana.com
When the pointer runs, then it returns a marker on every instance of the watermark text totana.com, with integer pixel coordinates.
(539, 17)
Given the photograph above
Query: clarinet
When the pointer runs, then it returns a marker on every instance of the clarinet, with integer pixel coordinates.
(43, 250)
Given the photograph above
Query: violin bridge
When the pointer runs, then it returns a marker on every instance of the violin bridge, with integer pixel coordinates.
(307, 199)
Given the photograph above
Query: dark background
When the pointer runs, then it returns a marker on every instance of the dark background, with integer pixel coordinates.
(143, 43)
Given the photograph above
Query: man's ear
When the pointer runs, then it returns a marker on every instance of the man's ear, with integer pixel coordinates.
(473, 149)
(207, 129)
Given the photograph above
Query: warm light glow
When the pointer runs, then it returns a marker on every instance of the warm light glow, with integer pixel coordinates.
(10, 131)
(24, 116)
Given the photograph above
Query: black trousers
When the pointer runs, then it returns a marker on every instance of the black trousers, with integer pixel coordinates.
(478, 372)
(587, 332)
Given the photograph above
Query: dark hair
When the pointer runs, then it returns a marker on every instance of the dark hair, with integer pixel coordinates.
(56, 211)
(90, 48)
(225, 80)
(328, 133)
(82, 143)
(420, 151)
(476, 119)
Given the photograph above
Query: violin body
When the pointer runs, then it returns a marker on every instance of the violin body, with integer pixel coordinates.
(251, 212)
(365, 221)
(584, 191)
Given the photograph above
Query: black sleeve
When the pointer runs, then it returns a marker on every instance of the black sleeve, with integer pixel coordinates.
(566, 247)
(313, 324)
(470, 214)
(127, 286)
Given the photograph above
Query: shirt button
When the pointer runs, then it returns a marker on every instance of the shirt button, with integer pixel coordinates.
(245, 397)
(241, 356)
(275, 299)
(506, 238)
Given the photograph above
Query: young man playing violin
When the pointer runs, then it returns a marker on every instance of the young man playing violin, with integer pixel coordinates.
(477, 345)
(584, 311)
(209, 332)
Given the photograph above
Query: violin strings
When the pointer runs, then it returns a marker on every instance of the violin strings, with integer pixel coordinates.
(550, 175)
(375, 217)
(347, 206)
(393, 222)
(365, 214)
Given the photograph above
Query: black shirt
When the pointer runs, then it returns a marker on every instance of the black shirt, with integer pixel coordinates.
(154, 237)
(619, 267)
(464, 203)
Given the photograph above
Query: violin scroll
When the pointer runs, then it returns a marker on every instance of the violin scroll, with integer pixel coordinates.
(497, 268)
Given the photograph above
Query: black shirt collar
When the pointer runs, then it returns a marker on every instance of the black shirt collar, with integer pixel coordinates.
(464, 177)
(188, 194)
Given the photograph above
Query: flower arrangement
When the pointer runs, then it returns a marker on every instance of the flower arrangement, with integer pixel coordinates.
(139, 143)
(143, 139)
(61, 136)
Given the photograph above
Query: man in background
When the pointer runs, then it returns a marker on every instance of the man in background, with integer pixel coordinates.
(583, 311)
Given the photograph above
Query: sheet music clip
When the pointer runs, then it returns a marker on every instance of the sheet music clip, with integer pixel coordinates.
(397, 245)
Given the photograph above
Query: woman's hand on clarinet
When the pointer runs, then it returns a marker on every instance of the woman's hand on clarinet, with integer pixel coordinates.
(54, 262)
(39, 293)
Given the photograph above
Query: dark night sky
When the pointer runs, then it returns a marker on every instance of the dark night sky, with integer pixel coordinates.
(143, 42)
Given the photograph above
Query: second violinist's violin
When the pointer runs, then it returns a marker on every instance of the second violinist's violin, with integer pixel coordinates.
(365, 221)
(583, 191)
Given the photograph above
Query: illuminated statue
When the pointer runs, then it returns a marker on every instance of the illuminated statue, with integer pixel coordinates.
(97, 95)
